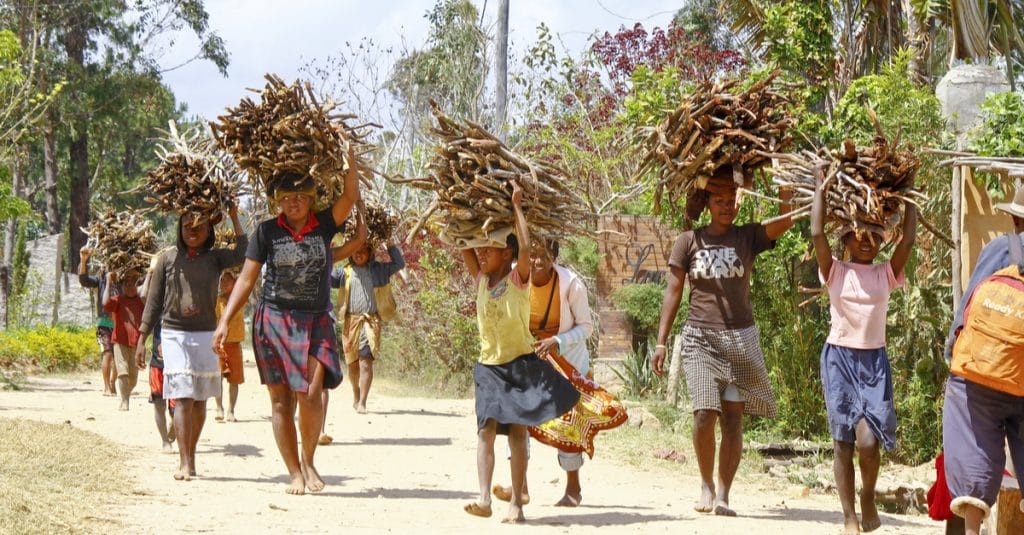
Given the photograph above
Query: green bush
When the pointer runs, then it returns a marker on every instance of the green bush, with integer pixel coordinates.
(1001, 133)
(435, 342)
(642, 305)
(48, 348)
(638, 379)
(581, 254)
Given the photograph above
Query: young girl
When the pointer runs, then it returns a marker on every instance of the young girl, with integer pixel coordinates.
(855, 370)
(292, 327)
(104, 325)
(515, 389)
(231, 356)
(359, 315)
(724, 366)
(126, 311)
(182, 295)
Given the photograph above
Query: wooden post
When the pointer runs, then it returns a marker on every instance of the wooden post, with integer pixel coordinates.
(1010, 520)
(956, 194)
(675, 364)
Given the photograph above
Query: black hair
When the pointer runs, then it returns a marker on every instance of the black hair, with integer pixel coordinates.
(512, 243)
(292, 182)
(553, 248)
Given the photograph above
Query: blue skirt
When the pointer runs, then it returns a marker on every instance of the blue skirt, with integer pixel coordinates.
(527, 391)
(858, 385)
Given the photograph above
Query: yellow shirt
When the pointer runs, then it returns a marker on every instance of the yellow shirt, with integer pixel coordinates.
(503, 317)
(236, 327)
(545, 300)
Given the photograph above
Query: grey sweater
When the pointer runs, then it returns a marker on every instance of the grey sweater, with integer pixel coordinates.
(183, 291)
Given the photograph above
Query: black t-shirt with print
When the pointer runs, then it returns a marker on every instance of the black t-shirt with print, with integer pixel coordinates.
(298, 271)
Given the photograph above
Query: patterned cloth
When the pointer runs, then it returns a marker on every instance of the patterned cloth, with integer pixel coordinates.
(231, 367)
(361, 331)
(103, 338)
(715, 358)
(284, 339)
(596, 410)
(191, 368)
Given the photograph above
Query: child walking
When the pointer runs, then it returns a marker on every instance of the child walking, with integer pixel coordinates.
(182, 295)
(515, 388)
(104, 324)
(156, 390)
(292, 327)
(855, 371)
(231, 355)
(364, 303)
(126, 312)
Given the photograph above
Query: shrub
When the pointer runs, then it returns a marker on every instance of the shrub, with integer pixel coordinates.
(48, 348)
(642, 305)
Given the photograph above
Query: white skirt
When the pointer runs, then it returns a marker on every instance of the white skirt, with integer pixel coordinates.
(191, 368)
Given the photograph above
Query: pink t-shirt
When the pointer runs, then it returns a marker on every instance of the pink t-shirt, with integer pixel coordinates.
(859, 302)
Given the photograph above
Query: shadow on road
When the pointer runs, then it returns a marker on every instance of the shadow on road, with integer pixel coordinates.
(610, 518)
(833, 517)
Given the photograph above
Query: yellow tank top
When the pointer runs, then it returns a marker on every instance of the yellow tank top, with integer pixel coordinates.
(503, 317)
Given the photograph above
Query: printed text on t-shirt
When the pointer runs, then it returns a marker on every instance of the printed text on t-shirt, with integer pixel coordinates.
(716, 262)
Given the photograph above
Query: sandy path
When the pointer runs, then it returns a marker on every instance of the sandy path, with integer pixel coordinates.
(409, 465)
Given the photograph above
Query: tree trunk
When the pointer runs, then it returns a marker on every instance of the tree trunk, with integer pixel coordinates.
(915, 40)
(501, 69)
(10, 233)
(78, 217)
(79, 209)
(50, 174)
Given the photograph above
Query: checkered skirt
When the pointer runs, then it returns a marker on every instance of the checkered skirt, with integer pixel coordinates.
(284, 339)
(714, 358)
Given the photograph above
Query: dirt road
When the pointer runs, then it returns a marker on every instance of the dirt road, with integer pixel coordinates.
(408, 466)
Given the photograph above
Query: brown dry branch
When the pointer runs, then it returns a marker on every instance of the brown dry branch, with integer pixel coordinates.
(718, 128)
(380, 224)
(863, 185)
(123, 242)
(193, 175)
(472, 173)
(290, 131)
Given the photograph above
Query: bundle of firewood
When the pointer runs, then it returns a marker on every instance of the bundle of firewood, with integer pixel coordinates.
(864, 186)
(193, 175)
(290, 132)
(380, 224)
(472, 173)
(717, 129)
(123, 242)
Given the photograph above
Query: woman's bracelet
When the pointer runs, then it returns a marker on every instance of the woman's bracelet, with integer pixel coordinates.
(661, 346)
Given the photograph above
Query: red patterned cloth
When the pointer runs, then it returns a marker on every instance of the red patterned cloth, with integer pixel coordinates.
(597, 410)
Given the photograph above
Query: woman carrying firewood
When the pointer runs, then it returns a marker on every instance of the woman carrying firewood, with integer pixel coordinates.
(855, 371)
(182, 295)
(293, 329)
(725, 370)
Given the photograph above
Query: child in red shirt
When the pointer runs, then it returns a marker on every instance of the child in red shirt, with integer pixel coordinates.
(126, 311)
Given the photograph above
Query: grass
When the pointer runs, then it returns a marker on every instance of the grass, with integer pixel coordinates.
(57, 479)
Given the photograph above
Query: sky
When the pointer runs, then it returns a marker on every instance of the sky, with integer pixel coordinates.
(281, 36)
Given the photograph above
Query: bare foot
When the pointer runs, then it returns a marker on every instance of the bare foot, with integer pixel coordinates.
(325, 439)
(515, 515)
(107, 392)
(707, 500)
(869, 520)
(220, 415)
(123, 406)
(360, 408)
(182, 474)
(569, 500)
(312, 478)
(297, 486)
(167, 448)
(851, 526)
(230, 417)
(171, 435)
(722, 509)
(478, 509)
(505, 494)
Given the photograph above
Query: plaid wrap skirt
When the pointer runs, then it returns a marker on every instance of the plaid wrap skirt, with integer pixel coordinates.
(283, 341)
(716, 358)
